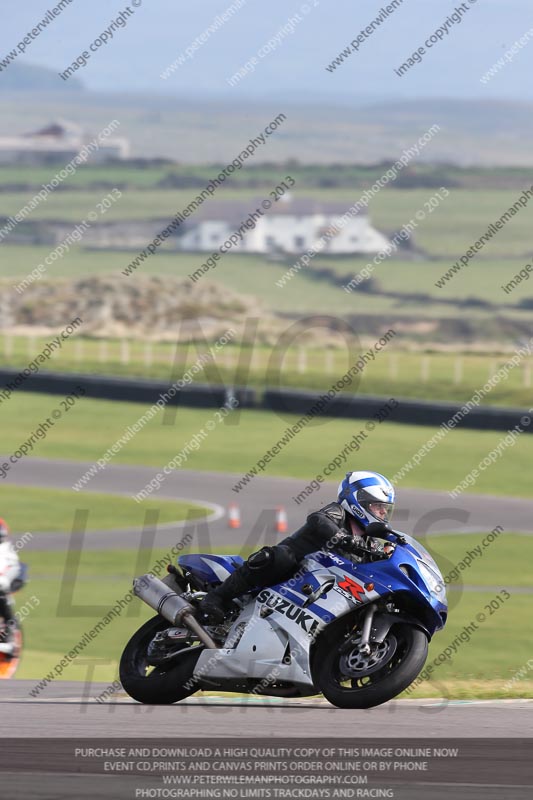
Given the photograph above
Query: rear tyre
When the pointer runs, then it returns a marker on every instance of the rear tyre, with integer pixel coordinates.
(162, 685)
(351, 679)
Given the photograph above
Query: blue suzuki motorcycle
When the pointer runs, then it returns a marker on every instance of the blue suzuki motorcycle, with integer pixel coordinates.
(354, 628)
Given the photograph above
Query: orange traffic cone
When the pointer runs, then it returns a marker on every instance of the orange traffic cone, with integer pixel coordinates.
(281, 520)
(234, 516)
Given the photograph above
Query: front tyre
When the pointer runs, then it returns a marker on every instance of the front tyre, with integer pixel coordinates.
(161, 685)
(349, 678)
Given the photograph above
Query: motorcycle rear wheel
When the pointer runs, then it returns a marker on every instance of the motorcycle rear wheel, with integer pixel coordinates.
(162, 685)
(344, 689)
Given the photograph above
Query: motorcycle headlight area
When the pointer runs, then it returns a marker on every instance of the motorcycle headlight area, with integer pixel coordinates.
(433, 578)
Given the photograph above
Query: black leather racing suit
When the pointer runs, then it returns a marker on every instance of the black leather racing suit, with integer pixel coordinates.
(329, 528)
(320, 528)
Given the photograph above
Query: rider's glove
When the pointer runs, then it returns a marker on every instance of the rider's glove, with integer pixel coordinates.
(380, 550)
(351, 544)
(363, 546)
(342, 539)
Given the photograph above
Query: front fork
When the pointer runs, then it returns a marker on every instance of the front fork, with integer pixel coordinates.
(364, 644)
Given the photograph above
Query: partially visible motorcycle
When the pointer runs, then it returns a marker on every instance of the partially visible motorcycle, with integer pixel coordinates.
(13, 576)
(355, 628)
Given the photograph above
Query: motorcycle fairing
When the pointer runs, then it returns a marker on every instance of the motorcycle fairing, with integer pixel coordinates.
(271, 648)
(388, 576)
(277, 631)
(210, 568)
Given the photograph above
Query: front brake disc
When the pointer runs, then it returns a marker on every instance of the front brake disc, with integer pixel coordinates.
(356, 664)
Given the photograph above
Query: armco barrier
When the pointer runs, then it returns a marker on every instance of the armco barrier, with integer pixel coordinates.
(132, 390)
(411, 412)
(286, 401)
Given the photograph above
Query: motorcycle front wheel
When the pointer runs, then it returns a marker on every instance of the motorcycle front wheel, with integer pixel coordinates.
(349, 678)
(162, 685)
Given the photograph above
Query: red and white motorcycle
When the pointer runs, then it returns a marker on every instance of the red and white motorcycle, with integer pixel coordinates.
(12, 578)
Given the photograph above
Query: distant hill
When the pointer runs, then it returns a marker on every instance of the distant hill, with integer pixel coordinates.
(31, 78)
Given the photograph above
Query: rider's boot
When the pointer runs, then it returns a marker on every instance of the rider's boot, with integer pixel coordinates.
(264, 568)
(216, 602)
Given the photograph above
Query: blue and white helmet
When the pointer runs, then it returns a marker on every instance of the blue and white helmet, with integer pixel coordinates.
(367, 496)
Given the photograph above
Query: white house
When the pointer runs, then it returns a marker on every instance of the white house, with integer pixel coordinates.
(59, 142)
(291, 227)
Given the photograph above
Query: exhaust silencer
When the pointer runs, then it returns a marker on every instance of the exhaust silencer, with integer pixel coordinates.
(169, 605)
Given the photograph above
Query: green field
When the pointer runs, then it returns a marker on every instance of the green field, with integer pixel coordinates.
(478, 668)
(446, 232)
(43, 510)
(52, 628)
(139, 175)
(93, 425)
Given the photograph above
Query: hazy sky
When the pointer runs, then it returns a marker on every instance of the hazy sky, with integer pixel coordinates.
(160, 30)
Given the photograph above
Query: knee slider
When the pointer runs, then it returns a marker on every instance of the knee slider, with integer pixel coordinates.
(261, 559)
(271, 564)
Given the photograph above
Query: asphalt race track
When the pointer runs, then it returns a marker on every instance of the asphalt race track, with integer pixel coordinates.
(417, 511)
(62, 709)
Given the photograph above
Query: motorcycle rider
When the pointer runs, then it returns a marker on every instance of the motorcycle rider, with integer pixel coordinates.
(9, 578)
(363, 498)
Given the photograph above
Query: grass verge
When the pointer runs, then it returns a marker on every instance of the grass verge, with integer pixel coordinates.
(44, 510)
